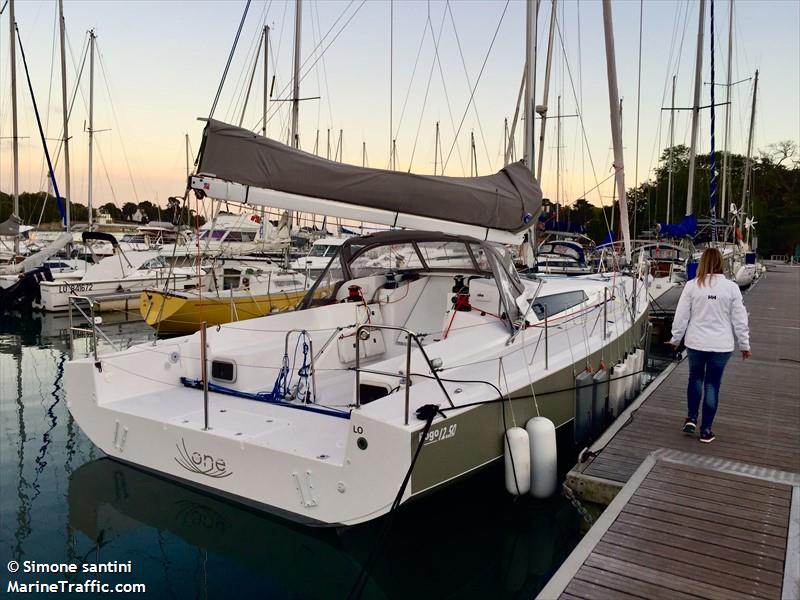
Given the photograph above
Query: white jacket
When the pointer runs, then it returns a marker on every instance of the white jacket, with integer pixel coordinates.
(709, 316)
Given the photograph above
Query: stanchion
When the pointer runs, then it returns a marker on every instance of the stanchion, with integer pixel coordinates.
(204, 373)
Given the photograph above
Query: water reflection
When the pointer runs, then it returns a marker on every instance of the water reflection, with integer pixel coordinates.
(450, 544)
(61, 502)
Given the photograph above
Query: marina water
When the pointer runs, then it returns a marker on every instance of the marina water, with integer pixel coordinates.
(62, 501)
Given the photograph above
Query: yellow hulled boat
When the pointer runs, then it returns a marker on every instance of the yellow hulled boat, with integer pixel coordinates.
(184, 312)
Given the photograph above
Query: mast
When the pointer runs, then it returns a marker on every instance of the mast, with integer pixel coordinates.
(724, 196)
(266, 83)
(747, 163)
(542, 109)
(296, 73)
(264, 102)
(671, 146)
(65, 116)
(531, 15)
(188, 167)
(698, 84)
(712, 204)
(91, 122)
(616, 129)
(436, 149)
(528, 149)
(295, 103)
(558, 156)
(505, 143)
(511, 133)
(14, 139)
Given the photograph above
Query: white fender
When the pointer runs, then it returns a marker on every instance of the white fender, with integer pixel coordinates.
(630, 381)
(616, 395)
(518, 461)
(639, 367)
(543, 457)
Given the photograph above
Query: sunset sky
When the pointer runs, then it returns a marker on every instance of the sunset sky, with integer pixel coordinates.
(159, 65)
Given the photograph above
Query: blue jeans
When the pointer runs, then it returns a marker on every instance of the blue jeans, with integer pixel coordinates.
(705, 372)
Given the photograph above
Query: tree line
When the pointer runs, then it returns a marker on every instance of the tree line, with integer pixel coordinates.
(41, 207)
(773, 199)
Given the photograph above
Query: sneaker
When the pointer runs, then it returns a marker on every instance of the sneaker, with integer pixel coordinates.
(689, 425)
(707, 437)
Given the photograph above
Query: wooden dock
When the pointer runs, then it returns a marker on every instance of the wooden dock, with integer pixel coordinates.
(692, 520)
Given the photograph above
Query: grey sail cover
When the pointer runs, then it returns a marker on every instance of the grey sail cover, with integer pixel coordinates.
(10, 226)
(509, 200)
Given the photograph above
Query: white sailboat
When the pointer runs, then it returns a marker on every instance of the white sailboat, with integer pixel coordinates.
(387, 382)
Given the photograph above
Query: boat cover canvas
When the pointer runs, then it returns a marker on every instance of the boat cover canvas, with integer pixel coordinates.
(10, 226)
(509, 200)
(35, 260)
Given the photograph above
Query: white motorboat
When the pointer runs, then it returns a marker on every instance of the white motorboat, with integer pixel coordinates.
(318, 257)
(563, 255)
(115, 282)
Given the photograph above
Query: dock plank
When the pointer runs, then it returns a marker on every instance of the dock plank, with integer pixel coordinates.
(698, 520)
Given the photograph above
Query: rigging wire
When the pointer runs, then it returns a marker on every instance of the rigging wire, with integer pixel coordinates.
(275, 56)
(314, 35)
(39, 123)
(282, 96)
(47, 117)
(324, 72)
(116, 120)
(477, 81)
(585, 137)
(434, 63)
(638, 107)
(449, 9)
(228, 64)
(241, 81)
(411, 81)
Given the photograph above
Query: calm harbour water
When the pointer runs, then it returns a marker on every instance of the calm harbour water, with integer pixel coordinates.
(62, 501)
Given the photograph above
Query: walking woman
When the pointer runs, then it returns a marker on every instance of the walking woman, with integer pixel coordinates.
(710, 313)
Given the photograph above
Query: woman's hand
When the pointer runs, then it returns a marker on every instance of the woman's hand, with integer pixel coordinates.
(746, 354)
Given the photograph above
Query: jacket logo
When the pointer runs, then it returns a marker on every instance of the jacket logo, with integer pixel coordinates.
(201, 463)
(712, 297)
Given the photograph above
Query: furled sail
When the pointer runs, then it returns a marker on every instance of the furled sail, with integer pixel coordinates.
(38, 259)
(506, 202)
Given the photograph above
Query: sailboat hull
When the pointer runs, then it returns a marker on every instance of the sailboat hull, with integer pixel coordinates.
(315, 480)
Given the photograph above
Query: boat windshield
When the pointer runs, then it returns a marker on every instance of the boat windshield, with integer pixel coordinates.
(562, 249)
(355, 261)
(133, 238)
(323, 250)
(217, 234)
(158, 262)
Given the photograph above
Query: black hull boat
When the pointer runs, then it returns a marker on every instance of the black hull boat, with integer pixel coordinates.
(24, 295)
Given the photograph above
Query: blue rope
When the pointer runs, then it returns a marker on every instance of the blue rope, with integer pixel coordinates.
(59, 201)
(268, 397)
